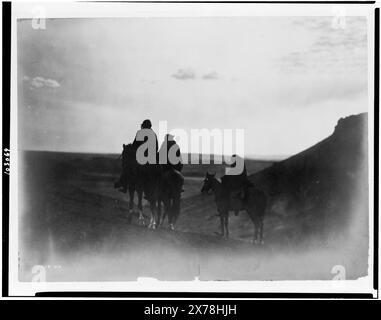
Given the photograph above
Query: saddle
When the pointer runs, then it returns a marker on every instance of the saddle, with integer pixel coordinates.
(237, 190)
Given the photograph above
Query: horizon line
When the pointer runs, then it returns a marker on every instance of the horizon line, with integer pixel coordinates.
(252, 157)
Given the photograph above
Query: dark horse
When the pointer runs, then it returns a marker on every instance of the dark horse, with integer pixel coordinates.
(130, 180)
(162, 187)
(157, 185)
(255, 205)
(170, 188)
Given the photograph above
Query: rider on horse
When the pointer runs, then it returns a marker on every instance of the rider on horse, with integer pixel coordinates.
(236, 185)
(129, 159)
(169, 154)
(149, 170)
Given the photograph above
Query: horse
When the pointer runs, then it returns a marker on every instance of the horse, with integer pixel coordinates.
(170, 189)
(130, 180)
(162, 187)
(255, 205)
(158, 187)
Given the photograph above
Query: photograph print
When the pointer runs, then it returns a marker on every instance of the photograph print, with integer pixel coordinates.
(209, 146)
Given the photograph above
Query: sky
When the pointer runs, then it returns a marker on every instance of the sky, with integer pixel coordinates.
(85, 85)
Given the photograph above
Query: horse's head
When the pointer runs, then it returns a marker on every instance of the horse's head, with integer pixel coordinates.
(127, 149)
(208, 182)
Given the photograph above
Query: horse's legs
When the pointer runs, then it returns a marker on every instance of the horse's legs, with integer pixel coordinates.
(132, 190)
(256, 224)
(165, 213)
(140, 199)
(152, 223)
(222, 224)
(227, 225)
(176, 208)
(169, 211)
(255, 233)
(258, 232)
(159, 221)
(130, 203)
(261, 232)
(140, 205)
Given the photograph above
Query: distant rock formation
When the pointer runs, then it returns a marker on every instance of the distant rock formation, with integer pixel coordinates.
(324, 188)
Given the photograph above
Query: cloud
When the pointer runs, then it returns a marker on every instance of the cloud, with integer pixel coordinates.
(333, 50)
(329, 24)
(211, 76)
(184, 74)
(315, 23)
(40, 82)
(189, 74)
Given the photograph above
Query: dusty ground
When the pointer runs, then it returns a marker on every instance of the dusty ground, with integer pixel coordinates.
(75, 222)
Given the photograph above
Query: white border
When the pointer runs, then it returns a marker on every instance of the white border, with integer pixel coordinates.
(77, 10)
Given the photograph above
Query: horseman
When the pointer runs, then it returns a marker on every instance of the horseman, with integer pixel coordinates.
(170, 155)
(235, 182)
(145, 138)
(146, 150)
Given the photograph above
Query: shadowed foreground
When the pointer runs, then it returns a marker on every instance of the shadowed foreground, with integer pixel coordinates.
(73, 220)
(81, 230)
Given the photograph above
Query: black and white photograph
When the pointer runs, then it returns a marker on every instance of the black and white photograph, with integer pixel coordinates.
(192, 147)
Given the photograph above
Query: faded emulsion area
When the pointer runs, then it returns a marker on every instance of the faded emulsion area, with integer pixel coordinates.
(73, 220)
